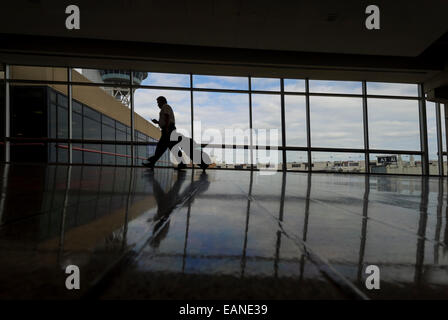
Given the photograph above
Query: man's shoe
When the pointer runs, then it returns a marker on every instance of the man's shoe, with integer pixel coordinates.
(204, 166)
(181, 166)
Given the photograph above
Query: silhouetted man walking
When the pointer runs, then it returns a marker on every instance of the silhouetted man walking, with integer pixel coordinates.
(166, 122)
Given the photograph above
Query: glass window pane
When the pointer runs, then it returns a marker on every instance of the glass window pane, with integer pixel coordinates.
(77, 153)
(336, 122)
(347, 87)
(121, 127)
(121, 136)
(62, 89)
(220, 82)
(108, 132)
(268, 159)
(52, 153)
(165, 79)
(338, 162)
(228, 158)
(294, 85)
(28, 107)
(108, 154)
(2, 107)
(97, 101)
(444, 121)
(146, 108)
(2, 119)
(62, 100)
(101, 75)
(165, 160)
(92, 129)
(121, 154)
(92, 114)
(395, 164)
(62, 150)
(52, 118)
(92, 153)
(445, 167)
(297, 160)
(265, 84)
(53, 96)
(150, 149)
(393, 124)
(38, 73)
(142, 153)
(392, 89)
(266, 120)
(77, 125)
(77, 107)
(108, 121)
(30, 152)
(222, 117)
(295, 121)
(62, 123)
(432, 137)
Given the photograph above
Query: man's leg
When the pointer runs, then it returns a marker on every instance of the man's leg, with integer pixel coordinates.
(176, 147)
(161, 147)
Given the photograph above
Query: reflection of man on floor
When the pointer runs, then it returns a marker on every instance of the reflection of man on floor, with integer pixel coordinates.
(168, 201)
(167, 123)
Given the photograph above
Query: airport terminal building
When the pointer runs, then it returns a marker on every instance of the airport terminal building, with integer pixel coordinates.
(41, 111)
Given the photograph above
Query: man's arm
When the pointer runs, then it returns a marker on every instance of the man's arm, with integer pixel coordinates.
(163, 122)
(166, 121)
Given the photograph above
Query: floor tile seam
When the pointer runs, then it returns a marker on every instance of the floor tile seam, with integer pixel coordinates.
(403, 229)
(321, 263)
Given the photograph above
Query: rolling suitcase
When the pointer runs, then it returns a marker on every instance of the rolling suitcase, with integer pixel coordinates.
(197, 155)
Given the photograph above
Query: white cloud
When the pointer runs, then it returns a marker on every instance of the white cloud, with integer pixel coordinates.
(167, 80)
(392, 89)
(350, 87)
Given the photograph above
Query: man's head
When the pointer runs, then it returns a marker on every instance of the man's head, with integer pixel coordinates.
(161, 101)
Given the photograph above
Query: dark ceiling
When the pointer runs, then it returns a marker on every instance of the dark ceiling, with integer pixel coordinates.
(316, 39)
(407, 27)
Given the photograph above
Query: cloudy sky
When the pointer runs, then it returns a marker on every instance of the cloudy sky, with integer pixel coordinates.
(335, 121)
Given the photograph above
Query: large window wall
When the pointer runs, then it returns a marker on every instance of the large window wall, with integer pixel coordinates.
(2, 114)
(249, 122)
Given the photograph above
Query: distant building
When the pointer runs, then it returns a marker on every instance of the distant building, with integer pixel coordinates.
(40, 111)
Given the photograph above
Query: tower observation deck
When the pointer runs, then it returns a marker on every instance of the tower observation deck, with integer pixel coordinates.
(118, 77)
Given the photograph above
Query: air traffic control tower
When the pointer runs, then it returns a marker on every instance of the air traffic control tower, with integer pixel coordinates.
(118, 77)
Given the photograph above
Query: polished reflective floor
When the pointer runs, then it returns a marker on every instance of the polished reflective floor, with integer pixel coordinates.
(164, 234)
